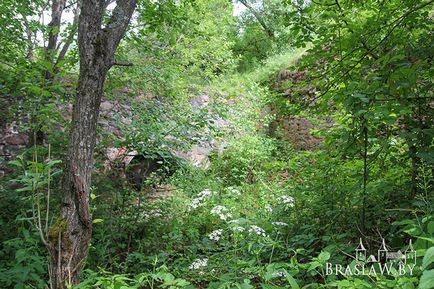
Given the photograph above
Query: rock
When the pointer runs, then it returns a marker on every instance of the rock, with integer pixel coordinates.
(16, 139)
(160, 192)
(106, 106)
(221, 123)
(200, 101)
(65, 111)
(198, 155)
(296, 130)
(10, 151)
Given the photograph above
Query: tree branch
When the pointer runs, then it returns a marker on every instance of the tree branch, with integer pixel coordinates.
(71, 4)
(323, 4)
(30, 55)
(118, 23)
(71, 35)
(364, 44)
(54, 28)
(258, 17)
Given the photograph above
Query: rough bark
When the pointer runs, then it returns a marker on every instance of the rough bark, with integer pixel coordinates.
(57, 8)
(71, 235)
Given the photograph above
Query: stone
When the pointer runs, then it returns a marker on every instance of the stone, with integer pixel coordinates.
(10, 151)
(16, 139)
(106, 106)
(200, 101)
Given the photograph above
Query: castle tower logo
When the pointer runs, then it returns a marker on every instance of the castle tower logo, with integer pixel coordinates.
(361, 252)
(382, 252)
(383, 261)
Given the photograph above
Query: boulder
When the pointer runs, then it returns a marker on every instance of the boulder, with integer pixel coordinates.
(16, 139)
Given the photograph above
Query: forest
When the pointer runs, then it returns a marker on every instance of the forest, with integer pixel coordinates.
(216, 144)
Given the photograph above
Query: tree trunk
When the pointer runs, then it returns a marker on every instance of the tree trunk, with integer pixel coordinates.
(70, 236)
(54, 29)
(75, 216)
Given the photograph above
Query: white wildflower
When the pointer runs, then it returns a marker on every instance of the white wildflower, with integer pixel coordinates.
(197, 164)
(198, 263)
(268, 208)
(234, 191)
(221, 212)
(279, 224)
(218, 210)
(224, 217)
(197, 202)
(154, 213)
(238, 229)
(287, 200)
(205, 193)
(215, 235)
(279, 274)
(257, 230)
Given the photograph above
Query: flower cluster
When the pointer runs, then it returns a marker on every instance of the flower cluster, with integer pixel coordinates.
(215, 235)
(279, 224)
(154, 213)
(221, 212)
(205, 193)
(257, 230)
(196, 202)
(287, 200)
(234, 191)
(238, 229)
(279, 274)
(198, 263)
(268, 208)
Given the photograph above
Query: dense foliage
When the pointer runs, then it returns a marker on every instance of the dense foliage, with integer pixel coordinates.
(265, 143)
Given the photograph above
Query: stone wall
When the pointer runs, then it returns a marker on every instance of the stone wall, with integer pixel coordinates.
(11, 141)
(111, 112)
(296, 89)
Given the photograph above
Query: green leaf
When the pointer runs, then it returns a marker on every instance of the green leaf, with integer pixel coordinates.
(16, 163)
(54, 162)
(314, 265)
(269, 286)
(428, 258)
(427, 280)
(246, 285)
(292, 281)
(430, 227)
(323, 257)
(97, 221)
(431, 240)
